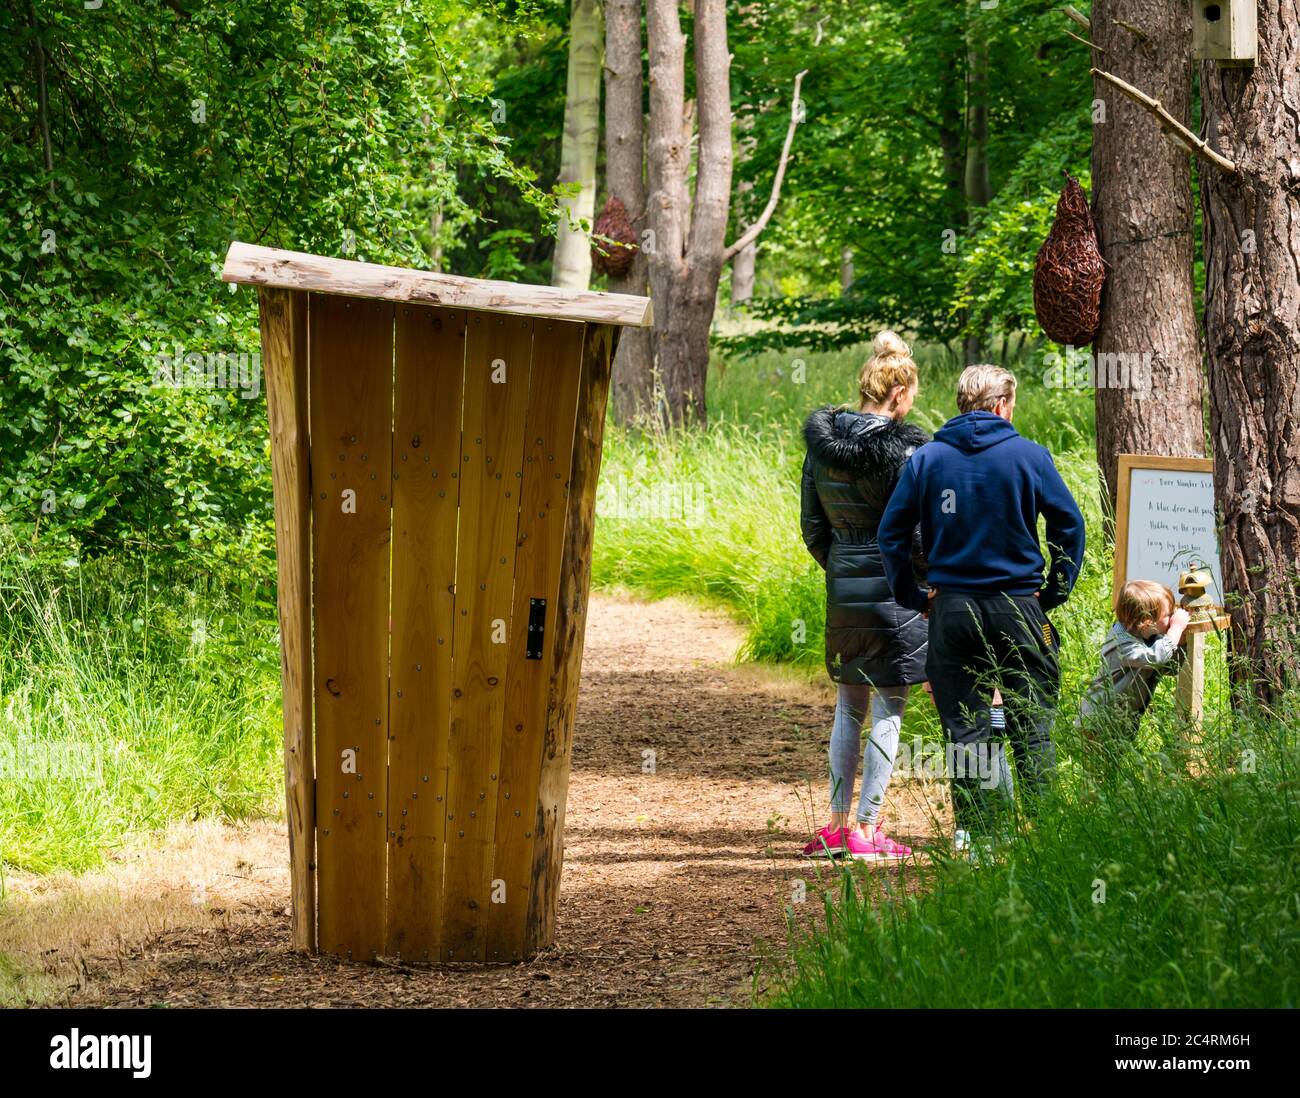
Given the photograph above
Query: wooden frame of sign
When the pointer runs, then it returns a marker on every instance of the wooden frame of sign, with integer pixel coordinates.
(1191, 678)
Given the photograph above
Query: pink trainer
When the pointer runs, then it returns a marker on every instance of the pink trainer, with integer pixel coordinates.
(826, 844)
(879, 848)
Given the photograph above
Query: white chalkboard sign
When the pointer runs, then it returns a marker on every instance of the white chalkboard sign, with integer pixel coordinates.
(1165, 513)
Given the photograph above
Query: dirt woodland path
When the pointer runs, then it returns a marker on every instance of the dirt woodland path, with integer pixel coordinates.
(675, 883)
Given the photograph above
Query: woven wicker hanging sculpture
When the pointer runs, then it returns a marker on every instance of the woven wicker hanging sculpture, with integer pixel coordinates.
(613, 222)
(1069, 272)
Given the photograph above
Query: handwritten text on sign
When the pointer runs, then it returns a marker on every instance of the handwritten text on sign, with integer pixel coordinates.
(1171, 524)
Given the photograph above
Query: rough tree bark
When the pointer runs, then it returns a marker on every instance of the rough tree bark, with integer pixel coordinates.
(1142, 201)
(633, 382)
(578, 147)
(1252, 321)
(685, 266)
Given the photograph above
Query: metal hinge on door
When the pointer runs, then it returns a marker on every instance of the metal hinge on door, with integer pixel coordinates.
(536, 629)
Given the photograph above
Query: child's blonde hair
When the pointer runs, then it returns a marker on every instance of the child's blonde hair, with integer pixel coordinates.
(890, 364)
(1141, 601)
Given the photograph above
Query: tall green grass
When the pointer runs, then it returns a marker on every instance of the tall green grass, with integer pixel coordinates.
(121, 712)
(1139, 885)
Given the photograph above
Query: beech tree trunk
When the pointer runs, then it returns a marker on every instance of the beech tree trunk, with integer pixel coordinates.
(1142, 202)
(743, 269)
(745, 262)
(633, 381)
(1252, 321)
(579, 145)
(686, 264)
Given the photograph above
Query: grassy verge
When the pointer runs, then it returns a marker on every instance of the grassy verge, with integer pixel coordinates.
(119, 716)
(1139, 886)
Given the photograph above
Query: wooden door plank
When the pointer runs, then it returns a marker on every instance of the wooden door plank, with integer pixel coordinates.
(284, 361)
(492, 435)
(429, 354)
(351, 468)
(570, 621)
(548, 454)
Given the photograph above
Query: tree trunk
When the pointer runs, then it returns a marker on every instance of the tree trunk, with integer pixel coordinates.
(977, 187)
(742, 273)
(42, 95)
(572, 265)
(633, 381)
(1252, 322)
(435, 228)
(847, 275)
(950, 137)
(1142, 201)
(685, 266)
(952, 93)
(744, 262)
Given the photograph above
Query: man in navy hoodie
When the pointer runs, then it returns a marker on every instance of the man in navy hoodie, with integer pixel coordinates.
(977, 491)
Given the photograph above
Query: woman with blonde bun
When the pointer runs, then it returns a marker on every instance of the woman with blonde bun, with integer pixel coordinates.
(875, 649)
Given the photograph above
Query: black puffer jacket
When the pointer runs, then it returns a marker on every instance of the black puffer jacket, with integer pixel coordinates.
(849, 474)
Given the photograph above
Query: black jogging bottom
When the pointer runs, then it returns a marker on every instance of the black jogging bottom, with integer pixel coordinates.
(979, 641)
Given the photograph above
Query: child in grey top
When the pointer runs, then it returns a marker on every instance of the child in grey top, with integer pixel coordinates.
(1141, 646)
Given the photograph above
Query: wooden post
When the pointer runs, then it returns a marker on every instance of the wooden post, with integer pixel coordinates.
(1191, 683)
(1189, 696)
(284, 363)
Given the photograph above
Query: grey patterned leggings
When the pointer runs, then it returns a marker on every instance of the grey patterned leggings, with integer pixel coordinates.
(886, 705)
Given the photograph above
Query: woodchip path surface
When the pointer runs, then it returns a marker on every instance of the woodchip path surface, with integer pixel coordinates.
(675, 883)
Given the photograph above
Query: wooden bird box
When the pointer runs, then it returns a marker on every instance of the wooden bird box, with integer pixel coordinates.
(435, 443)
(1224, 31)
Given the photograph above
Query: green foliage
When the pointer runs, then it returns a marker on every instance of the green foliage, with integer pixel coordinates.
(994, 285)
(878, 164)
(332, 127)
(529, 72)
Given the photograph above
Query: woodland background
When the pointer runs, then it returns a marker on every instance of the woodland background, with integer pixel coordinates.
(137, 604)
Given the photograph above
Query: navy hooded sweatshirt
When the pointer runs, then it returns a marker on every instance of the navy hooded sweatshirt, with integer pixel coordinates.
(977, 491)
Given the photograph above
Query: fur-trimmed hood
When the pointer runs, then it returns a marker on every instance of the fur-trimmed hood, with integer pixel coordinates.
(863, 445)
